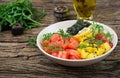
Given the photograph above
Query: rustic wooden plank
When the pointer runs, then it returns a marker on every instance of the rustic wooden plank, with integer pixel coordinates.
(17, 50)
(40, 66)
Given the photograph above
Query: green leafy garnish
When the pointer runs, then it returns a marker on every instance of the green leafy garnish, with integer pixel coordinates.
(98, 42)
(96, 28)
(118, 61)
(108, 35)
(81, 46)
(100, 28)
(55, 48)
(91, 40)
(20, 11)
(42, 14)
(64, 34)
(32, 41)
(47, 36)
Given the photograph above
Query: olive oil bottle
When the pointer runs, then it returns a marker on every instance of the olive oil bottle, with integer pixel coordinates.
(84, 8)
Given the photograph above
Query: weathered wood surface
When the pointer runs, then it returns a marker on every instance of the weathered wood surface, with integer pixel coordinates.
(17, 60)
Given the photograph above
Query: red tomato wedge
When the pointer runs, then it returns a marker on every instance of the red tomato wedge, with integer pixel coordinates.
(99, 36)
(45, 42)
(55, 54)
(47, 50)
(73, 44)
(63, 54)
(60, 54)
(74, 54)
(65, 43)
(56, 38)
(105, 39)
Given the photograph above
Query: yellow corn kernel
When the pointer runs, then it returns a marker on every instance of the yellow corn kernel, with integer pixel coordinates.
(91, 55)
(105, 46)
(90, 49)
(77, 37)
(100, 51)
(82, 38)
(83, 53)
(84, 43)
(95, 45)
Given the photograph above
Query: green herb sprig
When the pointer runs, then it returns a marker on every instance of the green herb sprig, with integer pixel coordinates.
(64, 34)
(81, 46)
(32, 41)
(96, 28)
(117, 61)
(55, 48)
(108, 36)
(20, 11)
(47, 36)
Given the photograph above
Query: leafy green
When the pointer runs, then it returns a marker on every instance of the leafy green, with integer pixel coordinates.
(42, 14)
(19, 11)
(91, 40)
(98, 42)
(47, 36)
(32, 41)
(64, 34)
(108, 35)
(81, 46)
(100, 28)
(55, 48)
(118, 61)
(96, 28)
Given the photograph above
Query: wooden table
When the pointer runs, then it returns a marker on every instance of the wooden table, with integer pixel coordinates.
(17, 60)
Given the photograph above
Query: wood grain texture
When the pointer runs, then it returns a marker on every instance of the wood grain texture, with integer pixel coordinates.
(18, 60)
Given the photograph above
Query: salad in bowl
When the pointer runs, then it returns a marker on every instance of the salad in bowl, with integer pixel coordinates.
(77, 43)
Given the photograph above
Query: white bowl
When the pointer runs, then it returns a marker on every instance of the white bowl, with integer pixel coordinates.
(64, 25)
